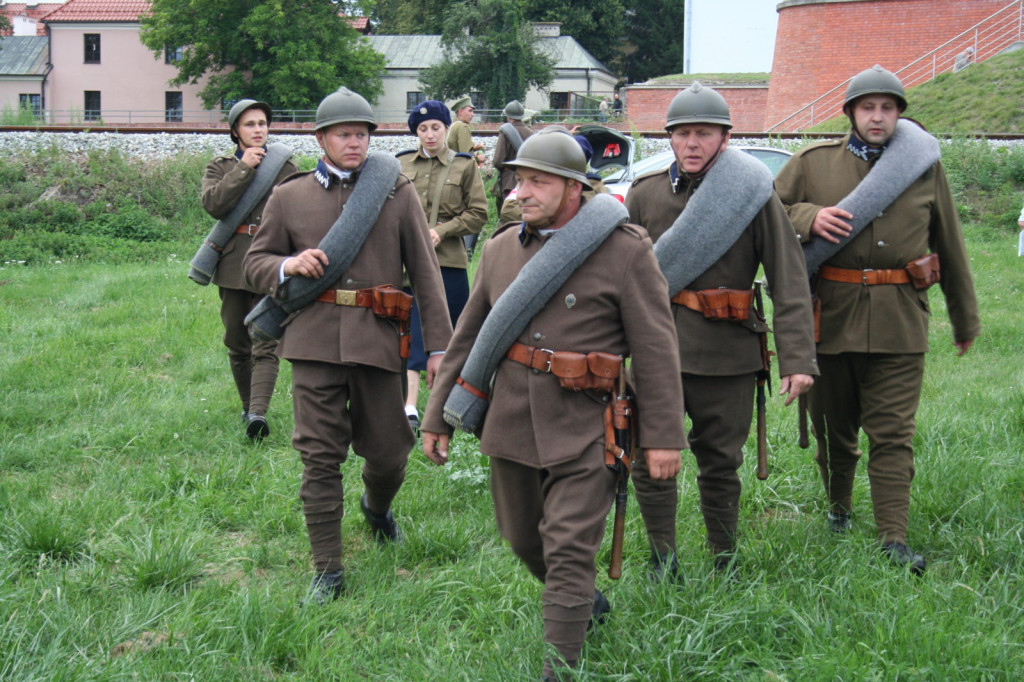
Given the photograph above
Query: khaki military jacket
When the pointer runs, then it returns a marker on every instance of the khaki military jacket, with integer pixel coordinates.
(724, 348)
(615, 302)
(503, 153)
(463, 206)
(298, 215)
(889, 318)
(224, 181)
(460, 138)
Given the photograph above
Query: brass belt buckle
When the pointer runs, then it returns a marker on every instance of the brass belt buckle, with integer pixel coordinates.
(864, 275)
(345, 297)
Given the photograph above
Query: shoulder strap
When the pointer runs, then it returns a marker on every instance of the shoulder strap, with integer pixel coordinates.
(514, 138)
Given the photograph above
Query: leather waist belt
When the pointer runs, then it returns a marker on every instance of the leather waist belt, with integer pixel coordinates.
(250, 229)
(575, 371)
(865, 277)
(354, 298)
(718, 304)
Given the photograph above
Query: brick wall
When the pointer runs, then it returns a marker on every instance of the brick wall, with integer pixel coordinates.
(821, 43)
(646, 105)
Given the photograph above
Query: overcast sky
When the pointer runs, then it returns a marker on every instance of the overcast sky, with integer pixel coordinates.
(732, 36)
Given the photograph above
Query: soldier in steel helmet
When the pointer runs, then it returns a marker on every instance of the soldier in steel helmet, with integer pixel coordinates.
(551, 487)
(254, 363)
(345, 347)
(715, 220)
(511, 136)
(874, 260)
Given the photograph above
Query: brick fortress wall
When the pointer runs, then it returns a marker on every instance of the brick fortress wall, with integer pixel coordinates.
(821, 43)
(646, 105)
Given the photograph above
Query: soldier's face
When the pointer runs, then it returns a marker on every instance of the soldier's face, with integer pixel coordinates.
(695, 144)
(539, 195)
(874, 117)
(345, 144)
(465, 114)
(432, 135)
(251, 129)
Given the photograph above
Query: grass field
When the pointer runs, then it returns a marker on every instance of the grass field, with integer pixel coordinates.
(143, 537)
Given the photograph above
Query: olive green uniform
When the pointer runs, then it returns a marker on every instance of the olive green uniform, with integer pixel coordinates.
(873, 338)
(460, 138)
(719, 359)
(254, 365)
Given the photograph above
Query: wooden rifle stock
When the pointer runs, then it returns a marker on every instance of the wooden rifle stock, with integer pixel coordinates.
(619, 457)
(762, 438)
(801, 406)
(619, 530)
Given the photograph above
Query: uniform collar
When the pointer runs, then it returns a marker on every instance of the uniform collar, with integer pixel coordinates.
(442, 157)
(681, 182)
(239, 152)
(326, 174)
(861, 150)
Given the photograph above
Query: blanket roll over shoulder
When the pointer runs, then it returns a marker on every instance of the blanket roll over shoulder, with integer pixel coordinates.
(341, 244)
(204, 263)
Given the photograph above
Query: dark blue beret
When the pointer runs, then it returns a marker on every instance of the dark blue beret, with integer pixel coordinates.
(588, 151)
(429, 110)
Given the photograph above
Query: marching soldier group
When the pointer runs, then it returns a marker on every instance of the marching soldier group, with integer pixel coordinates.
(578, 303)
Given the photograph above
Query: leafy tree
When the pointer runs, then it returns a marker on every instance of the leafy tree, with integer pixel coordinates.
(654, 34)
(596, 26)
(5, 26)
(290, 53)
(409, 17)
(488, 49)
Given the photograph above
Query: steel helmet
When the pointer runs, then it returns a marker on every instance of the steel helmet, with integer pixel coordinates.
(875, 81)
(239, 108)
(514, 110)
(698, 104)
(344, 106)
(553, 150)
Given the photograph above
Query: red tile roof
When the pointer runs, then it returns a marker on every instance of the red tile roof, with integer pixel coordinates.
(34, 11)
(99, 10)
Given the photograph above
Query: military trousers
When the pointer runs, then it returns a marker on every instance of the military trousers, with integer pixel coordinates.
(337, 407)
(254, 364)
(554, 520)
(879, 393)
(720, 410)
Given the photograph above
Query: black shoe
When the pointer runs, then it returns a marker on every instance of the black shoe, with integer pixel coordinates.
(901, 555)
(839, 523)
(257, 427)
(385, 528)
(600, 611)
(325, 588)
(663, 566)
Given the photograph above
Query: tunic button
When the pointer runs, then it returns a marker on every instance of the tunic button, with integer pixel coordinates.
(537, 336)
(536, 371)
(881, 243)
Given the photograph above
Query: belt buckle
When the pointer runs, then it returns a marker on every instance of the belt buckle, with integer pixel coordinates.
(251, 229)
(550, 354)
(346, 297)
(864, 275)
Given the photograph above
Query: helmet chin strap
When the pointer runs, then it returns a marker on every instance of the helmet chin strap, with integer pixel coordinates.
(558, 211)
(707, 165)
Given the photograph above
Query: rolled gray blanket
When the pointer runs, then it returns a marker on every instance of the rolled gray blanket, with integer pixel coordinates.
(341, 244)
(204, 263)
(910, 152)
(729, 197)
(530, 291)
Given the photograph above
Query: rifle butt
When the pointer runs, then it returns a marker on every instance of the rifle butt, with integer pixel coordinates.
(762, 436)
(618, 534)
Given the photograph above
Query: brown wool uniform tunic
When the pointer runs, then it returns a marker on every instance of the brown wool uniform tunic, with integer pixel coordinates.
(552, 491)
(719, 358)
(460, 138)
(253, 364)
(345, 361)
(873, 337)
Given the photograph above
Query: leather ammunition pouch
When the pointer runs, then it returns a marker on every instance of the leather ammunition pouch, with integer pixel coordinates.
(718, 304)
(575, 371)
(923, 271)
(385, 301)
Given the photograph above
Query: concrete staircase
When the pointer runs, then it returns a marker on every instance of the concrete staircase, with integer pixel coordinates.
(999, 33)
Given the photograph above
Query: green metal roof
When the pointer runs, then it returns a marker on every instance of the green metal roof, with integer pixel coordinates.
(23, 55)
(421, 51)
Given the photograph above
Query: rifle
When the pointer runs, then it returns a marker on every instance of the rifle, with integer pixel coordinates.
(763, 376)
(801, 407)
(619, 450)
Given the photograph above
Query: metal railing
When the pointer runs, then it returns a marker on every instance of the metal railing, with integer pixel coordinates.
(983, 40)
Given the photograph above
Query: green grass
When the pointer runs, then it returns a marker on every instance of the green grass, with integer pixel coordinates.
(143, 537)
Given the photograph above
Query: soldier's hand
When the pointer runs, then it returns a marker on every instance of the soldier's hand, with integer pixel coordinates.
(252, 156)
(663, 464)
(435, 447)
(795, 385)
(963, 346)
(309, 263)
(433, 364)
(830, 224)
